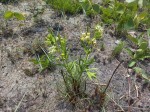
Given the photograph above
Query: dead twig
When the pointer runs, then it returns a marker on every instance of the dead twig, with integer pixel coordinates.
(129, 91)
(116, 104)
(20, 102)
(112, 76)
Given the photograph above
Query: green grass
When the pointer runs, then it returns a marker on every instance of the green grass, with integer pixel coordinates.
(67, 6)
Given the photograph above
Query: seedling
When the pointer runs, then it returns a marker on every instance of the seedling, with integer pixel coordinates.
(8, 15)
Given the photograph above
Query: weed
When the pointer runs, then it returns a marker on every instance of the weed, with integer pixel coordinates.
(141, 52)
(9, 15)
(73, 70)
(75, 6)
(125, 15)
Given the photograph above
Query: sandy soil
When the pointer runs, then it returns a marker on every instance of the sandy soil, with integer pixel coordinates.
(36, 91)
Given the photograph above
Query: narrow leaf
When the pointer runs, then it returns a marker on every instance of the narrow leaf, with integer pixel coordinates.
(19, 16)
(132, 63)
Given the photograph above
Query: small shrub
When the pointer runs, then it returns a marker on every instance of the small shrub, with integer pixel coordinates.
(74, 70)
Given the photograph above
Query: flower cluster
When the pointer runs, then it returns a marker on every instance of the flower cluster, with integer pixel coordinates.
(98, 32)
(52, 49)
(85, 38)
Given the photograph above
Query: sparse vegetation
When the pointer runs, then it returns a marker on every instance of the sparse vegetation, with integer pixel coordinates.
(106, 31)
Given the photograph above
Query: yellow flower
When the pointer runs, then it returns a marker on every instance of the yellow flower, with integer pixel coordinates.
(85, 36)
(52, 49)
(88, 33)
(99, 28)
(94, 41)
(98, 31)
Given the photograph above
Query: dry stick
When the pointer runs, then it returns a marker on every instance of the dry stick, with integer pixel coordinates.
(129, 93)
(112, 77)
(116, 104)
(20, 103)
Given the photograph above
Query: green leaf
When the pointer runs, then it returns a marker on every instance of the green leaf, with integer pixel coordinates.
(138, 54)
(107, 11)
(91, 75)
(8, 15)
(142, 15)
(134, 40)
(141, 72)
(144, 45)
(120, 9)
(132, 63)
(130, 52)
(142, 54)
(19, 16)
(129, 24)
(86, 6)
(140, 39)
(96, 8)
(132, 6)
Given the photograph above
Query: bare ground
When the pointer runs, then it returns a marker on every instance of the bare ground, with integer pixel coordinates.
(38, 92)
